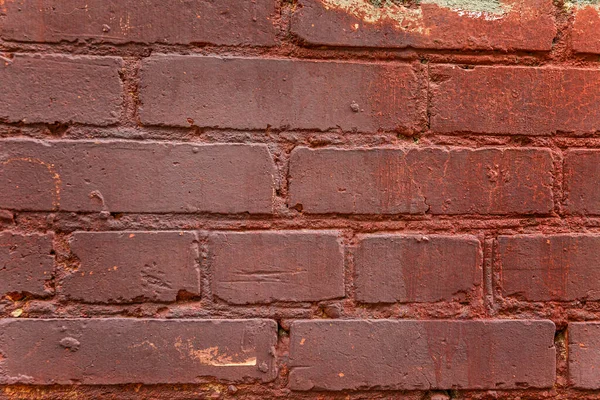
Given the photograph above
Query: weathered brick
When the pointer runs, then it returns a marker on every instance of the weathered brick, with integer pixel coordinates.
(416, 268)
(262, 267)
(119, 351)
(26, 263)
(119, 176)
(581, 175)
(121, 267)
(421, 355)
(585, 34)
(584, 354)
(55, 88)
(434, 24)
(514, 100)
(252, 93)
(550, 267)
(223, 22)
(419, 180)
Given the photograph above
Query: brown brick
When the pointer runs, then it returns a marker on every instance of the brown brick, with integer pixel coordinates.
(550, 267)
(120, 176)
(514, 25)
(514, 100)
(416, 268)
(119, 351)
(421, 355)
(262, 267)
(53, 88)
(582, 172)
(584, 354)
(121, 267)
(252, 93)
(26, 263)
(223, 22)
(419, 180)
(585, 35)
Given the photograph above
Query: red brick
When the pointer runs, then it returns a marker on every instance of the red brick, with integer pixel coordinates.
(584, 354)
(421, 355)
(582, 172)
(26, 263)
(262, 267)
(550, 268)
(223, 22)
(585, 35)
(419, 180)
(121, 267)
(252, 93)
(119, 351)
(514, 100)
(513, 25)
(53, 88)
(416, 268)
(121, 176)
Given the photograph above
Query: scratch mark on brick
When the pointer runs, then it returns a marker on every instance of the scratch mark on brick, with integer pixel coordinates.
(211, 356)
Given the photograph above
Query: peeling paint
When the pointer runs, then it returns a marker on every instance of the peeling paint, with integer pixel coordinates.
(211, 356)
(410, 19)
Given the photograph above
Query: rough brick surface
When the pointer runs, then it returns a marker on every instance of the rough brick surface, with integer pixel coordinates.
(507, 25)
(26, 263)
(119, 351)
(121, 267)
(550, 267)
(582, 172)
(252, 93)
(514, 100)
(585, 36)
(433, 180)
(584, 354)
(262, 267)
(412, 355)
(416, 268)
(228, 22)
(120, 176)
(54, 88)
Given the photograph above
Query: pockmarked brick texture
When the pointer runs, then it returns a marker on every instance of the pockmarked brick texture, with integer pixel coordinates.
(300, 199)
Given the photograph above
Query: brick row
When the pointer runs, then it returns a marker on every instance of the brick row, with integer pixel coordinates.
(421, 355)
(224, 22)
(119, 351)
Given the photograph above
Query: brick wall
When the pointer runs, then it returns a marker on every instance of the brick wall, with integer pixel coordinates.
(332, 199)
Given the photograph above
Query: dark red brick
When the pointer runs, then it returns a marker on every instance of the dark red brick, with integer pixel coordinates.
(584, 354)
(550, 267)
(262, 267)
(421, 355)
(26, 263)
(437, 24)
(121, 267)
(419, 180)
(416, 268)
(119, 351)
(53, 88)
(252, 93)
(514, 100)
(581, 176)
(585, 35)
(223, 22)
(119, 176)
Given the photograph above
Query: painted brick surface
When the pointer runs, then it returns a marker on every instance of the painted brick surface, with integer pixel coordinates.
(581, 172)
(263, 267)
(425, 355)
(121, 267)
(586, 38)
(416, 268)
(251, 93)
(146, 21)
(584, 354)
(120, 351)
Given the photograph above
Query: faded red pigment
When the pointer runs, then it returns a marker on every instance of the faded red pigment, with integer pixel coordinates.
(304, 199)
